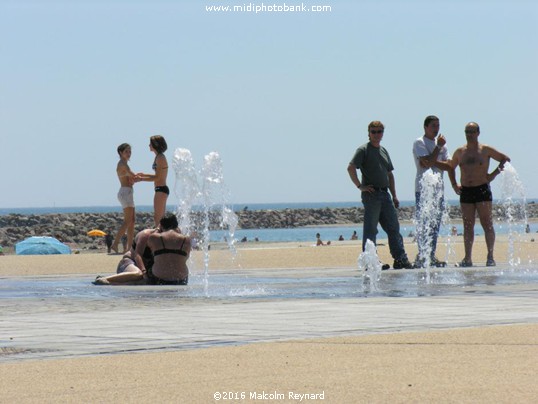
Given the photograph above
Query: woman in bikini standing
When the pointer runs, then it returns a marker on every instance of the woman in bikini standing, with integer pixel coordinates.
(158, 145)
(125, 196)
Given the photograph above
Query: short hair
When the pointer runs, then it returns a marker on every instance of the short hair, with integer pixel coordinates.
(169, 221)
(376, 124)
(122, 147)
(429, 119)
(158, 143)
(473, 124)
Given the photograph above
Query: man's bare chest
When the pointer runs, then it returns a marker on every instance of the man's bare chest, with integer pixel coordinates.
(473, 159)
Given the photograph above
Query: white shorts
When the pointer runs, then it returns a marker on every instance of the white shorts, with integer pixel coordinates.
(125, 196)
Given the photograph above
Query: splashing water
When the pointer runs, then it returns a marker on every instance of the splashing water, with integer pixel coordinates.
(429, 217)
(369, 263)
(186, 189)
(205, 188)
(513, 210)
(450, 255)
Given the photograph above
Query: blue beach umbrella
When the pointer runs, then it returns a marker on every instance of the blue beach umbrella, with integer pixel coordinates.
(41, 246)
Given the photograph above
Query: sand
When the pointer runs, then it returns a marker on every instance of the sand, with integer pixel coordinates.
(267, 255)
(484, 365)
(491, 364)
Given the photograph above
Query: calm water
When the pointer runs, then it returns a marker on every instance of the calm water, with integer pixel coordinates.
(305, 234)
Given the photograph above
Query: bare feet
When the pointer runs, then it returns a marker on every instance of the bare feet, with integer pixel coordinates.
(100, 281)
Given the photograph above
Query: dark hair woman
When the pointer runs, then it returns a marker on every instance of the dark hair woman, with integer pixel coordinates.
(157, 144)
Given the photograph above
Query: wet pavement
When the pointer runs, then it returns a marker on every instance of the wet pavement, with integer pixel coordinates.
(67, 316)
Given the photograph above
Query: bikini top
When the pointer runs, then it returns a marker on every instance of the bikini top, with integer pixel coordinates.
(154, 166)
(165, 250)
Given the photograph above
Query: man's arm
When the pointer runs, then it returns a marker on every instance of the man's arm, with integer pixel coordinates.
(497, 155)
(352, 171)
(392, 188)
(430, 160)
(140, 247)
(501, 158)
(452, 164)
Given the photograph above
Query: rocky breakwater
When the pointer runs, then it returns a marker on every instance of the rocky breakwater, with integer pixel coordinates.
(68, 227)
(72, 227)
(289, 218)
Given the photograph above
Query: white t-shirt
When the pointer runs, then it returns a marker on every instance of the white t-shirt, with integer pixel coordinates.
(422, 147)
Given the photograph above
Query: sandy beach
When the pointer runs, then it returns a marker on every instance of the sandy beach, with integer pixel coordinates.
(268, 255)
(460, 365)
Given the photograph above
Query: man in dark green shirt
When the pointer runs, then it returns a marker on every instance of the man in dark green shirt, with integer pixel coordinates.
(376, 168)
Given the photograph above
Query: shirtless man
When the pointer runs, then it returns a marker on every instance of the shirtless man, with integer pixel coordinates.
(475, 194)
(171, 251)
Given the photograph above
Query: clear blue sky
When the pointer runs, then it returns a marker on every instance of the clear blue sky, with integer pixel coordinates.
(285, 98)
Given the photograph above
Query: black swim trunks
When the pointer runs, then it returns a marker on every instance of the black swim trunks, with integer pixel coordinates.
(481, 193)
(164, 189)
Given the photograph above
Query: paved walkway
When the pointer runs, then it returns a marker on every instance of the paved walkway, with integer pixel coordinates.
(35, 327)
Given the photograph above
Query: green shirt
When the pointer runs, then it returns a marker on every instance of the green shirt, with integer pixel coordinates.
(375, 165)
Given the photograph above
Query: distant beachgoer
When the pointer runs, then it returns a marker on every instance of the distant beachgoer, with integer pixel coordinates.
(133, 264)
(244, 239)
(171, 250)
(340, 238)
(475, 193)
(527, 228)
(125, 196)
(454, 231)
(320, 242)
(354, 235)
(157, 144)
(109, 239)
(374, 162)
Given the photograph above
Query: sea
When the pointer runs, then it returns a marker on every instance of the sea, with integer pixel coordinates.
(302, 234)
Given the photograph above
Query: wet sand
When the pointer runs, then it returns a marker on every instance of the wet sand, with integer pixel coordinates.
(493, 363)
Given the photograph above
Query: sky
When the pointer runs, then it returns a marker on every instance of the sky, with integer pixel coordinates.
(285, 98)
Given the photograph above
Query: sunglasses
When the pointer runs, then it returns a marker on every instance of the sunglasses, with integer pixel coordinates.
(376, 132)
(471, 131)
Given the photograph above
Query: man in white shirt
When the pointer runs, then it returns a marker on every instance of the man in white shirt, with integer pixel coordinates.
(428, 150)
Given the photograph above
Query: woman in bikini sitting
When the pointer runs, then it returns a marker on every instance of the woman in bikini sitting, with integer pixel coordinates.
(171, 251)
(158, 145)
(125, 196)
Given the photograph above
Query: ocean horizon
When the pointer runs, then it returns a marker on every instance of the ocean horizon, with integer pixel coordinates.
(235, 206)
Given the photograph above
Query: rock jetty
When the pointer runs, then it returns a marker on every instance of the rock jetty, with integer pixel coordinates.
(72, 227)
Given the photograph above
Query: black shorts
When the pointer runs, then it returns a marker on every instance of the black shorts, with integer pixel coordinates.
(481, 193)
(164, 189)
